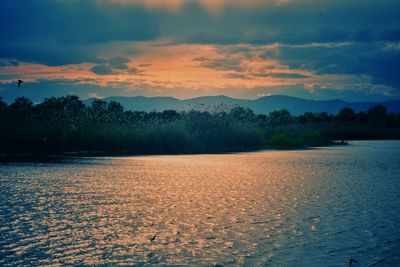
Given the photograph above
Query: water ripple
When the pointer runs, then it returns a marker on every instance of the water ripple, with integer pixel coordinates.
(291, 208)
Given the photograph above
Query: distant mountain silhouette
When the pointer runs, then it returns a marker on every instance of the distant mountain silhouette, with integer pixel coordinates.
(263, 105)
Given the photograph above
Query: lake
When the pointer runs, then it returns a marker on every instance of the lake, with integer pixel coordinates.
(316, 207)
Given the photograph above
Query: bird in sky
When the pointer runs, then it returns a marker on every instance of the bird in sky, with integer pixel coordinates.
(19, 83)
(351, 262)
(153, 238)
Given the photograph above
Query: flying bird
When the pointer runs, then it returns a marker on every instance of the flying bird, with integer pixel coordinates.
(19, 83)
(153, 238)
(351, 262)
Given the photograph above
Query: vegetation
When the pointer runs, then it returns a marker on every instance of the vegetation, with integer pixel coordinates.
(63, 125)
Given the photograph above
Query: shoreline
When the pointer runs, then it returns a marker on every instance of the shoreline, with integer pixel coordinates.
(56, 157)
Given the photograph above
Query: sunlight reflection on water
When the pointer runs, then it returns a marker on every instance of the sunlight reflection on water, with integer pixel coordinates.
(304, 208)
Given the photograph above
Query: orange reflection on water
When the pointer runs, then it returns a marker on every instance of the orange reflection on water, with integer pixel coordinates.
(275, 207)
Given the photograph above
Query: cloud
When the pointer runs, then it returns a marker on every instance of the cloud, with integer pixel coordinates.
(285, 75)
(118, 63)
(212, 6)
(221, 63)
(377, 60)
(204, 44)
(69, 32)
(111, 66)
(94, 95)
(102, 69)
(341, 21)
(41, 89)
(5, 62)
(310, 87)
(240, 76)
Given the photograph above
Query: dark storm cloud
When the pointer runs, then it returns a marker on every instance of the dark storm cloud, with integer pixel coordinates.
(58, 24)
(63, 32)
(293, 23)
(379, 60)
(74, 22)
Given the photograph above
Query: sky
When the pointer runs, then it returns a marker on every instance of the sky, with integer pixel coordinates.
(346, 49)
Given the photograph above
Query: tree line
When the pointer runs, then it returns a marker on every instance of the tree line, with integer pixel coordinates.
(62, 125)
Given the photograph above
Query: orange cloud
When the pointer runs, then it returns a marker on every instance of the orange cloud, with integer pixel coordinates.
(213, 6)
(188, 68)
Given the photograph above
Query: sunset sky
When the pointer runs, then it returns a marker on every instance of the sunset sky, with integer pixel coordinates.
(348, 49)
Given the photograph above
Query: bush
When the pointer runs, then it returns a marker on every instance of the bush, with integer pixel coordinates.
(281, 140)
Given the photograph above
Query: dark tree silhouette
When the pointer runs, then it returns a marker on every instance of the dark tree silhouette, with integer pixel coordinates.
(3, 105)
(346, 115)
(64, 125)
(378, 115)
(280, 117)
(22, 105)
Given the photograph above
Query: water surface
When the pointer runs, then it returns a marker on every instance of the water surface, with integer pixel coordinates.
(317, 207)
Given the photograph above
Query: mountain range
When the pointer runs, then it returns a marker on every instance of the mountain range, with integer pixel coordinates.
(263, 105)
